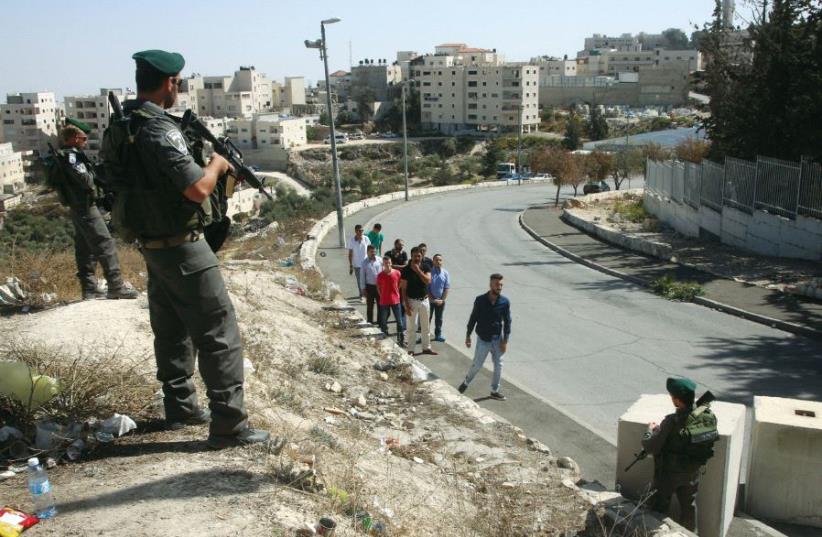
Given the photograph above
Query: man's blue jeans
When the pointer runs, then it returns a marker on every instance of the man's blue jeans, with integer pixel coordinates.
(481, 350)
(398, 316)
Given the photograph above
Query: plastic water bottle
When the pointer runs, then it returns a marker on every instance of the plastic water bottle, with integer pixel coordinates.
(40, 489)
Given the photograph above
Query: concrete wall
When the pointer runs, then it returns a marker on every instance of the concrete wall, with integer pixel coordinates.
(718, 486)
(785, 468)
(762, 233)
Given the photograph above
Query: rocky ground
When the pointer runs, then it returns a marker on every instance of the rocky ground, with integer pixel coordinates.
(399, 444)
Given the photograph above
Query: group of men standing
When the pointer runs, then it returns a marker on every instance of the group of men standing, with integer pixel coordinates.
(415, 289)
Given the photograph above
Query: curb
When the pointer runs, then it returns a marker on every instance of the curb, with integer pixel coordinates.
(786, 326)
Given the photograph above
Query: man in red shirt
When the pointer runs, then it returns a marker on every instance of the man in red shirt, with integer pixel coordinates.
(388, 287)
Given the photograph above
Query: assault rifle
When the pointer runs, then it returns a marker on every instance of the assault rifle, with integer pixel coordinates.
(706, 398)
(226, 149)
(116, 107)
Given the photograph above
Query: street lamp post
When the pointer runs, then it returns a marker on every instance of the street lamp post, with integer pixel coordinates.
(519, 142)
(320, 44)
(404, 141)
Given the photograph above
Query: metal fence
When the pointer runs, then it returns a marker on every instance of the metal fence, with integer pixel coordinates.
(776, 186)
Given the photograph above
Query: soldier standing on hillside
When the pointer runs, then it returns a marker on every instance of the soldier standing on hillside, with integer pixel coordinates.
(167, 207)
(92, 241)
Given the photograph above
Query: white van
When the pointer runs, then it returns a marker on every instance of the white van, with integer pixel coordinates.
(340, 138)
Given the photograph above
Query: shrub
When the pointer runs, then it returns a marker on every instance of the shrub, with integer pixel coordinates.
(673, 289)
(632, 211)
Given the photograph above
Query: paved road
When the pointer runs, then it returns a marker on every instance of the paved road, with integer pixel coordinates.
(587, 343)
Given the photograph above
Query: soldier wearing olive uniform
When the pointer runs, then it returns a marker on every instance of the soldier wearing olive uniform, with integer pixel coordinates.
(673, 473)
(167, 209)
(92, 241)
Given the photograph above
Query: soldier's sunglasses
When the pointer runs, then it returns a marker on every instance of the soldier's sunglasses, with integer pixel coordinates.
(177, 81)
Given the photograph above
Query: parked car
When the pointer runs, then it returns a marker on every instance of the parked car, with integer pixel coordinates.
(389, 135)
(341, 139)
(595, 187)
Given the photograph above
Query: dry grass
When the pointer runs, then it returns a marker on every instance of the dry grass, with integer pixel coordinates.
(90, 386)
(53, 272)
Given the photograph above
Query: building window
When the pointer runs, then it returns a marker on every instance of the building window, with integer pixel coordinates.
(472, 83)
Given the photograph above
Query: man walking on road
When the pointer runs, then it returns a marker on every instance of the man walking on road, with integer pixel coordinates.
(398, 256)
(371, 268)
(492, 317)
(437, 293)
(357, 252)
(376, 237)
(414, 289)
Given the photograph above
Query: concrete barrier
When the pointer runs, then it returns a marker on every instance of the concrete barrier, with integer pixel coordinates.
(785, 468)
(718, 485)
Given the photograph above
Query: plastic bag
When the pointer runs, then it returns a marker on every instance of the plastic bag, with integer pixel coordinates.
(14, 522)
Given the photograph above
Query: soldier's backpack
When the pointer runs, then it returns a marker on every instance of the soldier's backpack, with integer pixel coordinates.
(56, 178)
(699, 435)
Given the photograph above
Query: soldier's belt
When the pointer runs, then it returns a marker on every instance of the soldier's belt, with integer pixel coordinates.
(171, 242)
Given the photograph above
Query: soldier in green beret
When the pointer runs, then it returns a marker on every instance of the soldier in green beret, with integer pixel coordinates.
(92, 241)
(674, 473)
(166, 208)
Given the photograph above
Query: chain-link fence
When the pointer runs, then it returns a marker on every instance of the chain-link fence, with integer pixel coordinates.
(776, 186)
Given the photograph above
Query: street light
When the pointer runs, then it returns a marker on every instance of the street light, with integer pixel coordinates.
(320, 44)
(405, 138)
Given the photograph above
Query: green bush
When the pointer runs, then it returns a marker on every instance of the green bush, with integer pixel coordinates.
(673, 289)
(26, 230)
(632, 211)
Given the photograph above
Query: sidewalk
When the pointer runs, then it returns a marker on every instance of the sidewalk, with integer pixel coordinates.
(773, 308)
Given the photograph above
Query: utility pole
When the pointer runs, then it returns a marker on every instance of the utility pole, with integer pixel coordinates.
(404, 141)
(519, 142)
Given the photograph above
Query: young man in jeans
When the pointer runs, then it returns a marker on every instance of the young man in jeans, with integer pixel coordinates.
(437, 293)
(388, 286)
(371, 268)
(492, 317)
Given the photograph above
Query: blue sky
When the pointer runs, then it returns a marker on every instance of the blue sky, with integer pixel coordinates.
(75, 48)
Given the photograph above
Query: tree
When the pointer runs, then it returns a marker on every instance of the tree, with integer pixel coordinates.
(675, 39)
(323, 120)
(556, 162)
(444, 176)
(767, 105)
(493, 155)
(573, 134)
(597, 126)
(692, 150)
(599, 165)
(627, 161)
(364, 98)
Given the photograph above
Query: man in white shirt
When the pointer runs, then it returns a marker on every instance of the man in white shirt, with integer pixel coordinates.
(371, 268)
(357, 252)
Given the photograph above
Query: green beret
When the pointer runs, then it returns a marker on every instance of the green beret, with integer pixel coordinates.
(79, 124)
(168, 63)
(680, 387)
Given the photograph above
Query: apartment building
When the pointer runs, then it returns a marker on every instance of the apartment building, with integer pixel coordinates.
(620, 62)
(95, 111)
(340, 82)
(29, 120)
(464, 88)
(268, 131)
(625, 43)
(404, 59)
(12, 178)
(293, 91)
(549, 66)
(377, 78)
(243, 94)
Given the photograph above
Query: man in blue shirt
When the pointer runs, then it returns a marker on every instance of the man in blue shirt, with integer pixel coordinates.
(492, 317)
(437, 293)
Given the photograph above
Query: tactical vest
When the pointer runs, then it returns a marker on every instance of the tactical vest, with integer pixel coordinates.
(690, 445)
(59, 179)
(145, 207)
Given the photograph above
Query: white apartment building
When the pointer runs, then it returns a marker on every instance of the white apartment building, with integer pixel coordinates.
(29, 120)
(463, 88)
(620, 62)
(553, 66)
(625, 42)
(12, 178)
(241, 95)
(293, 91)
(268, 131)
(95, 111)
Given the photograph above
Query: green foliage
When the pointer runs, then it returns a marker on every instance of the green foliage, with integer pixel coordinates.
(493, 155)
(573, 134)
(675, 39)
(633, 211)
(288, 204)
(444, 176)
(315, 134)
(768, 105)
(673, 289)
(27, 230)
(597, 126)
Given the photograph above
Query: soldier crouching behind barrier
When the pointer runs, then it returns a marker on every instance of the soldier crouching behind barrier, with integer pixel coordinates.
(681, 446)
(162, 200)
(72, 176)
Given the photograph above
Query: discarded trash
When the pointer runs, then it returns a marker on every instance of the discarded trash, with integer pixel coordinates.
(19, 381)
(40, 489)
(47, 435)
(75, 450)
(418, 374)
(326, 526)
(104, 437)
(6, 475)
(363, 520)
(377, 529)
(14, 522)
(334, 410)
(11, 294)
(385, 366)
(118, 425)
(9, 433)
(248, 366)
(418, 460)
(286, 262)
